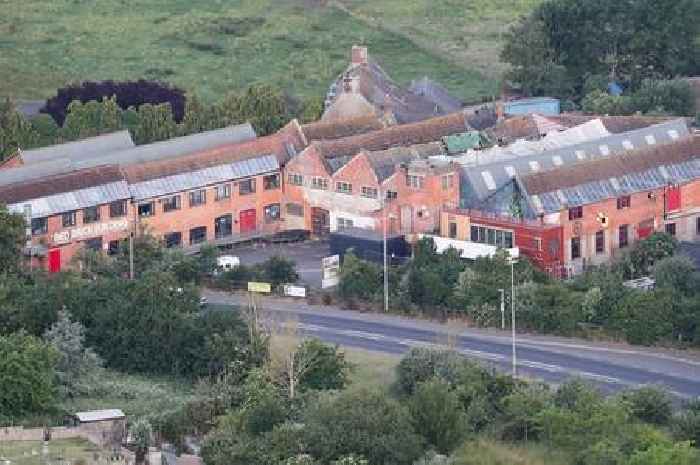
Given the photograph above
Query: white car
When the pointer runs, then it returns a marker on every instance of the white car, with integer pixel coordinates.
(227, 262)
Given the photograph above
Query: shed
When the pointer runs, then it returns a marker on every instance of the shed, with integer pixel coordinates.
(103, 427)
(546, 106)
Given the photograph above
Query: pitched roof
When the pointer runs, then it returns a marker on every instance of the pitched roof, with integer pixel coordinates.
(368, 79)
(329, 130)
(435, 93)
(64, 157)
(91, 147)
(614, 124)
(638, 171)
(627, 163)
(485, 179)
(385, 162)
(403, 135)
(61, 183)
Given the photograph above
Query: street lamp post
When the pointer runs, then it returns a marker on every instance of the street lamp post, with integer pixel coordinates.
(512, 309)
(386, 264)
(503, 308)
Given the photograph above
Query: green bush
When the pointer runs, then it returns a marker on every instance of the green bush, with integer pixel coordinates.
(438, 415)
(422, 364)
(649, 404)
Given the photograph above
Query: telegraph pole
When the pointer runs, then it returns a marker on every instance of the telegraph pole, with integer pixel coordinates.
(386, 265)
(503, 308)
(512, 309)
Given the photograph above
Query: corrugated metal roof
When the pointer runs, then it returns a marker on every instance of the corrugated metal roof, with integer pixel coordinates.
(63, 159)
(204, 177)
(100, 415)
(74, 200)
(459, 143)
(597, 191)
(81, 149)
(501, 171)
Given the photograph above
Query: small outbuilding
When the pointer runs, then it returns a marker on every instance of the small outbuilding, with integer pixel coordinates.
(103, 426)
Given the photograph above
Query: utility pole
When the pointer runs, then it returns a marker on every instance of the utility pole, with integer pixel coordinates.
(386, 265)
(131, 247)
(503, 308)
(512, 309)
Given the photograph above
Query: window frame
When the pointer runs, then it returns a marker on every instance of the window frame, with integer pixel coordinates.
(251, 189)
(198, 229)
(268, 186)
(73, 219)
(296, 210)
(295, 179)
(267, 209)
(42, 228)
(347, 191)
(319, 183)
(90, 219)
(447, 182)
(344, 223)
(197, 198)
(172, 245)
(121, 212)
(369, 192)
(620, 242)
(575, 213)
(624, 201)
(152, 208)
(219, 195)
(452, 230)
(600, 242)
(391, 195)
(575, 248)
(415, 181)
(167, 203)
(228, 231)
(671, 229)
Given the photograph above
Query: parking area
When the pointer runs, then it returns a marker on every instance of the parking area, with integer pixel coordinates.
(307, 255)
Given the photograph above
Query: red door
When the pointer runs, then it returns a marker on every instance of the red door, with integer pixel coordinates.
(247, 220)
(54, 260)
(673, 198)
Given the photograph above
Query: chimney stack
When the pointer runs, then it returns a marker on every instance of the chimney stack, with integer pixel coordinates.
(360, 55)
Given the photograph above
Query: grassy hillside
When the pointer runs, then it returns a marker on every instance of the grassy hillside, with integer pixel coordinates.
(213, 46)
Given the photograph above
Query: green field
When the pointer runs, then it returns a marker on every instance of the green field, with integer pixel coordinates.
(69, 451)
(215, 46)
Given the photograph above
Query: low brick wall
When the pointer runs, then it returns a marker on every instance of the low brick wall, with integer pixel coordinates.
(19, 433)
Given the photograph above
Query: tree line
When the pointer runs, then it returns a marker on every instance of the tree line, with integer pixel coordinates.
(595, 303)
(150, 111)
(573, 49)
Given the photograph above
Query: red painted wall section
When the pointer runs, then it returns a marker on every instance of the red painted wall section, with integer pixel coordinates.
(54, 260)
(673, 198)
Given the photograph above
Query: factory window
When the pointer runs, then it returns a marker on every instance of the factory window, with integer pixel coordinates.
(198, 197)
(369, 192)
(624, 202)
(222, 191)
(575, 248)
(447, 182)
(40, 226)
(68, 219)
(146, 209)
(171, 203)
(600, 242)
(271, 181)
(223, 226)
(272, 213)
(497, 237)
(343, 187)
(623, 236)
(91, 215)
(247, 186)
(295, 179)
(319, 183)
(697, 225)
(117, 209)
(453, 231)
(344, 223)
(94, 244)
(172, 239)
(575, 213)
(671, 229)
(198, 235)
(414, 181)
(392, 195)
(113, 247)
(295, 209)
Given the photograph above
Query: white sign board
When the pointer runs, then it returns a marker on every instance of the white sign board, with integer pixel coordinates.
(468, 249)
(92, 230)
(331, 271)
(294, 291)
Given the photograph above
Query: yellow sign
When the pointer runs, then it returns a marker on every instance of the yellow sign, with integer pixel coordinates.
(264, 288)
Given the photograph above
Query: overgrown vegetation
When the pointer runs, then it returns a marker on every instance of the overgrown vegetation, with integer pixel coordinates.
(594, 303)
(573, 49)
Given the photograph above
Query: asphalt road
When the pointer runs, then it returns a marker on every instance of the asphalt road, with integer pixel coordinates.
(551, 359)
